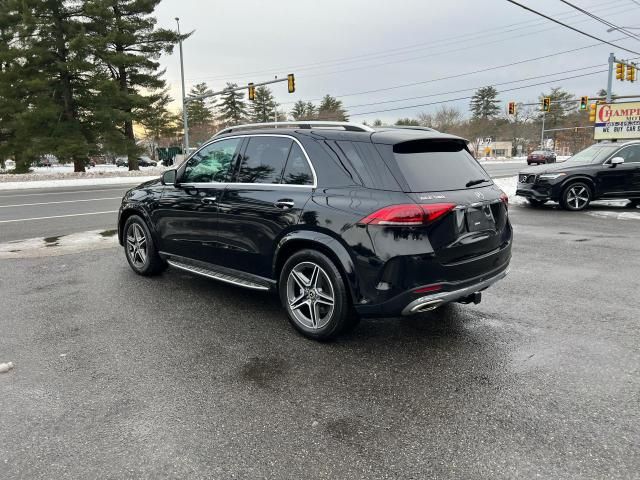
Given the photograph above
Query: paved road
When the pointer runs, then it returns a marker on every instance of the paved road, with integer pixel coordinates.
(507, 169)
(120, 376)
(58, 211)
(61, 211)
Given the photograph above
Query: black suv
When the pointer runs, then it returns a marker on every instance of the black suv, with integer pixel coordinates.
(602, 171)
(340, 219)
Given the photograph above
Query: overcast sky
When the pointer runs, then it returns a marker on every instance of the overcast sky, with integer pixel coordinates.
(344, 47)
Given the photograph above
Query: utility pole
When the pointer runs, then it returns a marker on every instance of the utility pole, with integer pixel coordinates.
(542, 133)
(184, 96)
(612, 59)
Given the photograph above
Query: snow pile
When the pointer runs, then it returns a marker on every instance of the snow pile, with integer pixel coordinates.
(53, 246)
(63, 172)
(76, 182)
(508, 185)
(614, 215)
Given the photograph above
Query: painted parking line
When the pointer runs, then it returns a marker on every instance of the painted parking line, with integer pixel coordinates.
(62, 201)
(56, 216)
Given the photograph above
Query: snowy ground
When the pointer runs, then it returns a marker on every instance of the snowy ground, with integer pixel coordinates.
(560, 158)
(76, 181)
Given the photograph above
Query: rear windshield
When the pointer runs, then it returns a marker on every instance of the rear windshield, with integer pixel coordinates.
(437, 165)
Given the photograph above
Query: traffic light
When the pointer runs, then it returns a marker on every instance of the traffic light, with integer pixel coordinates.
(291, 82)
(546, 104)
(584, 102)
(252, 92)
(631, 72)
(511, 108)
(592, 112)
(620, 71)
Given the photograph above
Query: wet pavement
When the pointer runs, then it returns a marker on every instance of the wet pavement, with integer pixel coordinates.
(119, 376)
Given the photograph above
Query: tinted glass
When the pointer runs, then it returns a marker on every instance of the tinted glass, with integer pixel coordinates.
(593, 154)
(368, 164)
(264, 159)
(297, 171)
(431, 166)
(212, 163)
(630, 154)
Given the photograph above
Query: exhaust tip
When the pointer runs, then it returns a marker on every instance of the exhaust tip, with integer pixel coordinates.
(427, 306)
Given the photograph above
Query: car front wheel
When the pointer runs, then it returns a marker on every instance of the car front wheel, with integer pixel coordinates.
(314, 295)
(576, 196)
(139, 248)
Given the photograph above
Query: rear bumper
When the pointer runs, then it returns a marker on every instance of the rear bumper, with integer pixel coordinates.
(434, 300)
(410, 302)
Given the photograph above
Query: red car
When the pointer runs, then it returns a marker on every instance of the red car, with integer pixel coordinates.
(541, 156)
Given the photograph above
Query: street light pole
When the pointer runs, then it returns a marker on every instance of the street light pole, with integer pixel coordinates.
(184, 96)
(612, 58)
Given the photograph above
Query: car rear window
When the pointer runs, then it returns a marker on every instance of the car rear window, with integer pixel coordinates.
(438, 165)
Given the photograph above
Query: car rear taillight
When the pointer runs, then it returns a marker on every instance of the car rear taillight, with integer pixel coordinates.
(504, 198)
(408, 215)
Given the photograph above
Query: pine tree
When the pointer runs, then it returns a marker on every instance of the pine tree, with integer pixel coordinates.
(484, 103)
(199, 111)
(331, 109)
(127, 44)
(263, 108)
(232, 107)
(299, 110)
(311, 111)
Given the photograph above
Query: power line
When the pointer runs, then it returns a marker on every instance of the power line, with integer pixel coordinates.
(449, 77)
(386, 53)
(471, 96)
(474, 88)
(602, 20)
(572, 28)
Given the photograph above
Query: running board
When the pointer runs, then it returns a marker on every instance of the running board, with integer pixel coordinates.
(223, 277)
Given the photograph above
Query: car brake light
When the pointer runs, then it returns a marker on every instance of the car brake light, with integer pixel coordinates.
(504, 198)
(430, 288)
(408, 215)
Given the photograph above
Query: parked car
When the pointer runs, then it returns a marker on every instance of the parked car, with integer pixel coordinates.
(541, 156)
(340, 219)
(602, 171)
(142, 162)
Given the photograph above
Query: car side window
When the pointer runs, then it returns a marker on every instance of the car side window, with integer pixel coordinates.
(264, 159)
(630, 154)
(297, 171)
(212, 163)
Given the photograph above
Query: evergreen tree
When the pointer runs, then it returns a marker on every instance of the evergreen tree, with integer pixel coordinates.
(127, 44)
(331, 109)
(408, 122)
(263, 108)
(198, 111)
(232, 107)
(161, 123)
(484, 103)
(299, 110)
(310, 111)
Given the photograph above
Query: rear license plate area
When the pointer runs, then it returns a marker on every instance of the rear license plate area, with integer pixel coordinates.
(480, 218)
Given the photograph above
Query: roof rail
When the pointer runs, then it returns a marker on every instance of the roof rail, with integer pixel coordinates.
(303, 124)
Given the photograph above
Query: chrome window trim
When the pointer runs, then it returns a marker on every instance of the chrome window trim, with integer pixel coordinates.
(617, 153)
(306, 155)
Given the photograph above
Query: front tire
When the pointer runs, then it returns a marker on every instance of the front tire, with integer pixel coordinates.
(139, 248)
(576, 197)
(315, 296)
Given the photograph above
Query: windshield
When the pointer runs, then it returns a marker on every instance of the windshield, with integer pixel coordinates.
(593, 154)
(436, 165)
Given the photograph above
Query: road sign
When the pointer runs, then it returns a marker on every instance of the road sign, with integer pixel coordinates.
(617, 121)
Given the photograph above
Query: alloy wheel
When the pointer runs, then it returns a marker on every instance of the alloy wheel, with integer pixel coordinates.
(310, 295)
(137, 245)
(578, 197)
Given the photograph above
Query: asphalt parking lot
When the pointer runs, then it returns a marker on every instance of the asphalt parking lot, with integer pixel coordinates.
(119, 376)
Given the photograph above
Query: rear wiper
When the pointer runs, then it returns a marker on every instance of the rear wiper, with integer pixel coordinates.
(471, 183)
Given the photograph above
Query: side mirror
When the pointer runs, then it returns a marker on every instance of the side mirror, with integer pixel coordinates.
(169, 177)
(617, 161)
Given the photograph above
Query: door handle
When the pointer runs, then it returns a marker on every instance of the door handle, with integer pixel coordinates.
(209, 200)
(285, 204)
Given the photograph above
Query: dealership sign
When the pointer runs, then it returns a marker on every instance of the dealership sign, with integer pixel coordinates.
(617, 121)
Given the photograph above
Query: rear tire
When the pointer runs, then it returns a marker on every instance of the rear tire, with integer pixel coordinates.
(139, 248)
(576, 196)
(315, 296)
